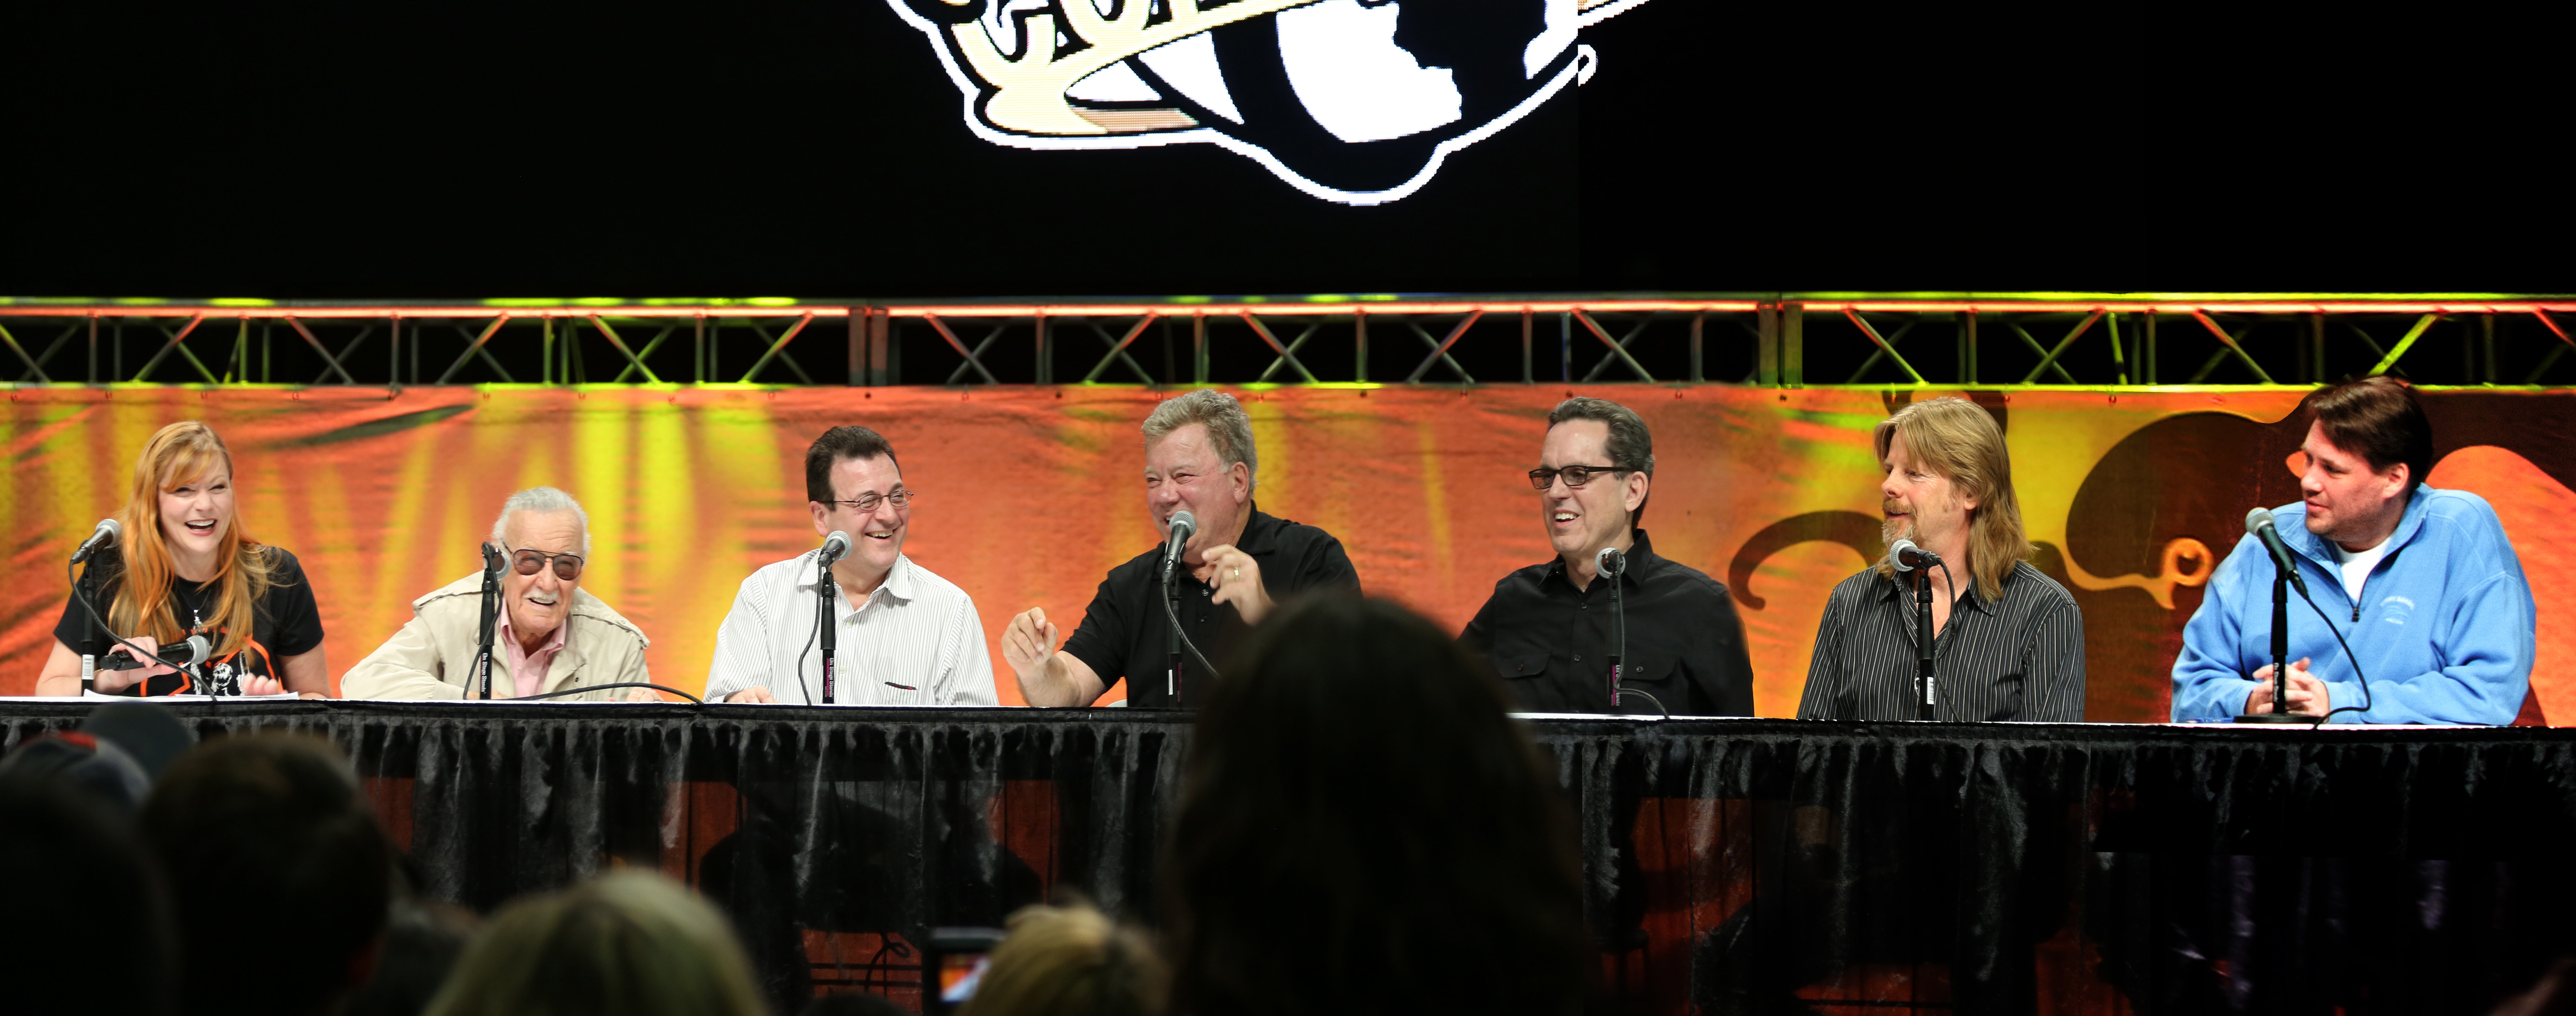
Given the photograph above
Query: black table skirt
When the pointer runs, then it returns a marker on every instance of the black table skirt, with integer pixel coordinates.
(1732, 865)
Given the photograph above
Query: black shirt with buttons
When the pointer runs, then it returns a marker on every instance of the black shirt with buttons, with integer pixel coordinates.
(1551, 641)
(1122, 633)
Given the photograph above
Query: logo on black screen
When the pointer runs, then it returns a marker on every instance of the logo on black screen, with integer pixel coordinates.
(1355, 101)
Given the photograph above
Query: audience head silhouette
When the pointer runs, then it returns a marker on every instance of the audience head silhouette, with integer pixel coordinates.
(1364, 829)
(627, 944)
(279, 875)
(92, 924)
(1070, 961)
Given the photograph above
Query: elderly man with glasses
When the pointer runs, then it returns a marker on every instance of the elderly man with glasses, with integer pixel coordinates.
(902, 636)
(550, 636)
(1547, 628)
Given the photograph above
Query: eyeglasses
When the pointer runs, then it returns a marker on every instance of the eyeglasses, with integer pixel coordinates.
(528, 562)
(867, 502)
(1575, 476)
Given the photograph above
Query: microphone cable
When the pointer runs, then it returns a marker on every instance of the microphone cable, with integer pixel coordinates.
(139, 654)
(812, 635)
(588, 688)
(2348, 658)
(1175, 618)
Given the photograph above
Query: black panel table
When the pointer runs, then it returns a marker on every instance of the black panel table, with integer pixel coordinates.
(1738, 864)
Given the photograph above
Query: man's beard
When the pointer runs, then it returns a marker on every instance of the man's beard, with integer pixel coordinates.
(1894, 528)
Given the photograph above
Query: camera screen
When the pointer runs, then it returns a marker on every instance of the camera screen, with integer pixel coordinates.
(958, 974)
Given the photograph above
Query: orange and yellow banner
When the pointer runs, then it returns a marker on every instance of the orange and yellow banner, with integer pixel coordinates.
(1030, 494)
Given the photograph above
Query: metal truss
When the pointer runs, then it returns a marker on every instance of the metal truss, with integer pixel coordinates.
(1778, 340)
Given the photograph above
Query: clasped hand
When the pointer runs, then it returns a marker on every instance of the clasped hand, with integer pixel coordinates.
(2308, 695)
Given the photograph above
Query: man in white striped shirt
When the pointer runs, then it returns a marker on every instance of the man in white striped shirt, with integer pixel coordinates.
(905, 636)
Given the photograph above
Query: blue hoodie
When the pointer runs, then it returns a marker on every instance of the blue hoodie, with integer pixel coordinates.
(2447, 636)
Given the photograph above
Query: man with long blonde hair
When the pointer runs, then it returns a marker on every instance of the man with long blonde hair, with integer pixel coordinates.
(185, 567)
(2008, 642)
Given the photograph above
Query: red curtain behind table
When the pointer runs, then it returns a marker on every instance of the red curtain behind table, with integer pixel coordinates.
(1030, 494)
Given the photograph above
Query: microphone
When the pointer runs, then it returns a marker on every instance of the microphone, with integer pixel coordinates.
(1906, 557)
(2258, 523)
(1182, 526)
(1610, 562)
(186, 654)
(105, 534)
(835, 546)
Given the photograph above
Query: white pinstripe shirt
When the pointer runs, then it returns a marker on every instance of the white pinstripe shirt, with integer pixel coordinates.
(915, 641)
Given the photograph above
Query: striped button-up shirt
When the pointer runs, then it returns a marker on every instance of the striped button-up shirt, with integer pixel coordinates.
(915, 640)
(2019, 657)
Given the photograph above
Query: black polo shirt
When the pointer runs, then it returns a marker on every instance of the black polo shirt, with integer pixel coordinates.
(1122, 633)
(1551, 641)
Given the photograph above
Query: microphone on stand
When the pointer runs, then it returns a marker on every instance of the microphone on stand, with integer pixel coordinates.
(1176, 532)
(2258, 524)
(487, 605)
(1609, 564)
(827, 608)
(184, 655)
(1183, 525)
(105, 534)
(2285, 574)
(1905, 556)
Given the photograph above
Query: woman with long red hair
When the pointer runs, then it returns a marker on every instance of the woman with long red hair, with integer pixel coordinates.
(182, 567)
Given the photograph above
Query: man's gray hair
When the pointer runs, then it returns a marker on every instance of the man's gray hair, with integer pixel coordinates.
(1229, 427)
(545, 500)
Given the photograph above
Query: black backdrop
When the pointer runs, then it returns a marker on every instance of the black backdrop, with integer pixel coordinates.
(808, 148)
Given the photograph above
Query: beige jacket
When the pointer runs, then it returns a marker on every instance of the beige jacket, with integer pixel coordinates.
(432, 654)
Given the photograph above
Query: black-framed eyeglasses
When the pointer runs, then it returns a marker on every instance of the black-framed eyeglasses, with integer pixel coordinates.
(529, 562)
(865, 503)
(1575, 476)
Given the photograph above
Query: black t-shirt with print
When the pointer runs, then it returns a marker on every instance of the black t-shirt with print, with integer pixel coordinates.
(284, 622)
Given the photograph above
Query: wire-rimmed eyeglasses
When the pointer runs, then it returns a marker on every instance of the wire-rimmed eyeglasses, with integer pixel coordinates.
(865, 503)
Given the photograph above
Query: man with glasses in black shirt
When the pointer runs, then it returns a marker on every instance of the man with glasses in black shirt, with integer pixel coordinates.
(1547, 628)
(1240, 563)
(550, 636)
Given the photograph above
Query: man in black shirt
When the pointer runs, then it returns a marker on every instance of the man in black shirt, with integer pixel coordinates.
(1198, 458)
(1547, 626)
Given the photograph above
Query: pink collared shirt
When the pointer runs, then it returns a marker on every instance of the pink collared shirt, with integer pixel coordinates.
(528, 669)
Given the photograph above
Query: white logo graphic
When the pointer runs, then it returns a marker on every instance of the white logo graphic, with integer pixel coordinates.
(1355, 101)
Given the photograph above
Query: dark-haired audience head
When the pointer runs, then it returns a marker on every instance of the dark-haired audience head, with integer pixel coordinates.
(1070, 961)
(422, 944)
(279, 876)
(113, 759)
(89, 925)
(89, 766)
(1364, 829)
(627, 944)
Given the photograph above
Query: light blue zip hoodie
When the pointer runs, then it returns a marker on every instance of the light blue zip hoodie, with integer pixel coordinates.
(2445, 628)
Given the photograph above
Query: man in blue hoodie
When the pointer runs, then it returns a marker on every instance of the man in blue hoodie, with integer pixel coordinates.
(2422, 582)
